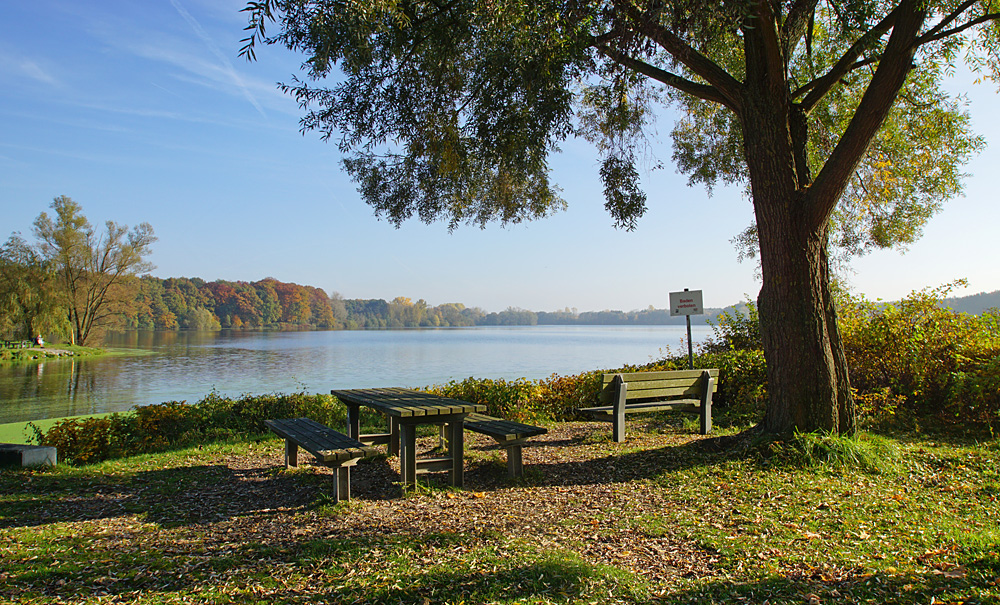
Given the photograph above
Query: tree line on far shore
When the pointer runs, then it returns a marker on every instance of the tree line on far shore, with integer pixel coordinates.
(192, 303)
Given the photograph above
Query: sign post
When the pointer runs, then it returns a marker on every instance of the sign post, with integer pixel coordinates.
(687, 303)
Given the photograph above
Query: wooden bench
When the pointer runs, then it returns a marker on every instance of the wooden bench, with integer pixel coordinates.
(17, 344)
(331, 448)
(507, 433)
(637, 392)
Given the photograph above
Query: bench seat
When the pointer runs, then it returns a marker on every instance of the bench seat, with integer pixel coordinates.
(511, 435)
(330, 448)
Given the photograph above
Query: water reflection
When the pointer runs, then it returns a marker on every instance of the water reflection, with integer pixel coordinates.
(176, 366)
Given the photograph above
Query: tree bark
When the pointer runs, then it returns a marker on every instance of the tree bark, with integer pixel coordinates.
(808, 385)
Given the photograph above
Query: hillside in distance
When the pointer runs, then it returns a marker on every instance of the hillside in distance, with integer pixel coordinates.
(974, 304)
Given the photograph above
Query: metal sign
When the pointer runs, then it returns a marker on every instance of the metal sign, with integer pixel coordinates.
(687, 302)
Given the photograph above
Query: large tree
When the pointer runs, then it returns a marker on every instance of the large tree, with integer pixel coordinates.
(832, 114)
(92, 268)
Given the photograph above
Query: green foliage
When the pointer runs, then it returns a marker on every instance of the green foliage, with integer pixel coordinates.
(512, 399)
(29, 301)
(917, 359)
(176, 424)
(735, 331)
(742, 388)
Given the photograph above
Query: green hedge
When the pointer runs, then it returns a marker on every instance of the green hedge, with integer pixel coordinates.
(173, 424)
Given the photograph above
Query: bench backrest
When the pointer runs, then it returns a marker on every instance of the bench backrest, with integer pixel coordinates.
(657, 385)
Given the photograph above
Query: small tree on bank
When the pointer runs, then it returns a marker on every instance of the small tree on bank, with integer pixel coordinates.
(91, 268)
(831, 113)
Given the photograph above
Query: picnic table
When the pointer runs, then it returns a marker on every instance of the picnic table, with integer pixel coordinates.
(406, 409)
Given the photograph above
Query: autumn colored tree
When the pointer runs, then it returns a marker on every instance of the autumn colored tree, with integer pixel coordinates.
(92, 268)
(832, 115)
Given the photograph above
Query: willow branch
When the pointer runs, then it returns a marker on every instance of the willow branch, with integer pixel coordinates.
(702, 91)
(726, 85)
(848, 62)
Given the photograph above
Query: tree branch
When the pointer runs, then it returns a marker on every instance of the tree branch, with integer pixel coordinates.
(951, 17)
(702, 91)
(795, 25)
(930, 36)
(896, 62)
(819, 87)
(727, 86)
(801, 90)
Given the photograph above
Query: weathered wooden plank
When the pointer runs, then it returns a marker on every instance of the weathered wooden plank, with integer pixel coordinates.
(500, 429)
(682, 405)
(327, 445)
(428, 465)
(663, 374)
(643, 387)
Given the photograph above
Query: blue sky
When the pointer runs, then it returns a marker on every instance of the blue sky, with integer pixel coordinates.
(141, 110)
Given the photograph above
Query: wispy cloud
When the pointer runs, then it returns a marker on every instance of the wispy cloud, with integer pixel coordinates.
(27, 68)
(227, 65)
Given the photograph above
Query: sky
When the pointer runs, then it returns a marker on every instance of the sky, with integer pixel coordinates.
(142, 110)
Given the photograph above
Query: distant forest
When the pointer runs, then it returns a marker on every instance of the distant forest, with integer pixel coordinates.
(268, 304)
(192, 303)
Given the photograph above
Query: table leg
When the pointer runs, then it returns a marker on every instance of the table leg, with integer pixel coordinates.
(353, 421)
(393, 435)
(291, 454)
(408, 454)
(456, 447)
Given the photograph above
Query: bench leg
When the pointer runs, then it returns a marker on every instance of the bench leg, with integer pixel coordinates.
(291, 454)
(708, 383)
(343, 491)
(515, 466)
(353, 421)
(621, 395)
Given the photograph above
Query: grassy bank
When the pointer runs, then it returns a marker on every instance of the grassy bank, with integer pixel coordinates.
(49, 352)
(659, 519)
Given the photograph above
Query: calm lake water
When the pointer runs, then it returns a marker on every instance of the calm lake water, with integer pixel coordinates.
(184, 366)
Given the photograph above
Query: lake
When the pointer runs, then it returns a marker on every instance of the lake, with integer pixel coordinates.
(185, 366)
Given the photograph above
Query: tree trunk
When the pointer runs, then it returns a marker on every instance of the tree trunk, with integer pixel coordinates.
(808, 386)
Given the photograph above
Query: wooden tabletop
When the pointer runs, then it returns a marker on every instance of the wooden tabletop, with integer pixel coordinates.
(404, 403)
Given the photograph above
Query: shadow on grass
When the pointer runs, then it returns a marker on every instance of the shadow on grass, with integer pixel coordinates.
(974, 585)
(375, 569)
(613, 463)
(183, 495)
(394, 569)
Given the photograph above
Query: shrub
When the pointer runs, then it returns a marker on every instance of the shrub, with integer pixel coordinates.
(80, 441)
(741, 397)
(917, 359)
(736, 331)
(172, 424)
(512, 399)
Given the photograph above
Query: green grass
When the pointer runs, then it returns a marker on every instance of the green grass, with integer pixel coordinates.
(802, 523)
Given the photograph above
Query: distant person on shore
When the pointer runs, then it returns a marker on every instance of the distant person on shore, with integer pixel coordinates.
(39, 341)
